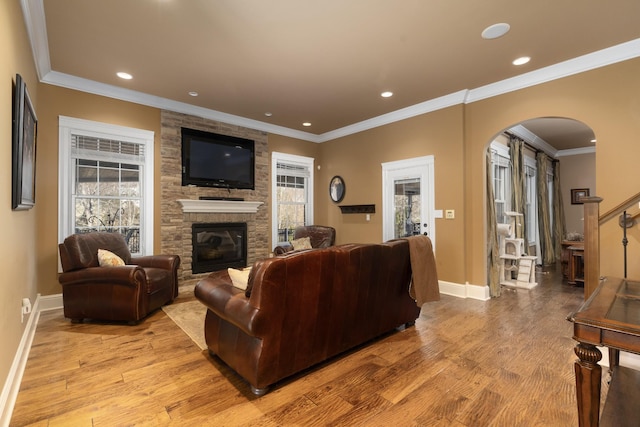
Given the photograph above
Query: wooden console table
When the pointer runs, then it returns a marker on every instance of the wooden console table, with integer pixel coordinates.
(610, 318)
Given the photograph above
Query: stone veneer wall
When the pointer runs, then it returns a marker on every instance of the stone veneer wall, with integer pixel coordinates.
(175, 227)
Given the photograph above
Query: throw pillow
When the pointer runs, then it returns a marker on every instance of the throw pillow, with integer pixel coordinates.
(109, 259)
(302, 243)
(239, 278)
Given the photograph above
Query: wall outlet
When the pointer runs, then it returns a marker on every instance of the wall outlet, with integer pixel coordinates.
(449, 214)
(26, 308)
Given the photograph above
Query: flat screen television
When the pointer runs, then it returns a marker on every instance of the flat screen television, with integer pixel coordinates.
(213, 160)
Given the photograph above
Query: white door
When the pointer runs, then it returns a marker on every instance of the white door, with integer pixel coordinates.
(408, 198)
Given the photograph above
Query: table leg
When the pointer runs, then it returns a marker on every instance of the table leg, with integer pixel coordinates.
(588, 377)
(614, 359)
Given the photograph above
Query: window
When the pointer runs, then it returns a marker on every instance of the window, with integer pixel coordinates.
(501, 163)
(292, 181)
(106, 181)
(531, 189)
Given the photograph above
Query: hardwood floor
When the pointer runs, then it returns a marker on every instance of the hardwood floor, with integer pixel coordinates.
(503, 362)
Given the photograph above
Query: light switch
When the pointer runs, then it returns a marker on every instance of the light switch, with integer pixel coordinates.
(450, 214)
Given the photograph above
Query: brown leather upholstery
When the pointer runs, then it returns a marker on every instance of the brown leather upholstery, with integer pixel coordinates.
(306, 307)
(127, 293)
(320, 236)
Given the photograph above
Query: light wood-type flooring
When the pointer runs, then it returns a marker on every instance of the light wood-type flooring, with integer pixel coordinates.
(503, 362)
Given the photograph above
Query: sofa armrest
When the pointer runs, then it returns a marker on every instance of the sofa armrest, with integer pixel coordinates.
(128, 275)
(230, 304)
(165, 262)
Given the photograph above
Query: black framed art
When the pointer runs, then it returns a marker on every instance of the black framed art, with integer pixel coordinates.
(336, 189)
(25, 124)
(577, 194)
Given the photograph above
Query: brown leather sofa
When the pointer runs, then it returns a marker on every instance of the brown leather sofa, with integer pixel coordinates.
(127, 293)
(320, 236)
(304, 307)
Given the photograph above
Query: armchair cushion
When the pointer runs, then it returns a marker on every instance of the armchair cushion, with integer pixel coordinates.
(239, 278)
(301, 243)
(109, 259)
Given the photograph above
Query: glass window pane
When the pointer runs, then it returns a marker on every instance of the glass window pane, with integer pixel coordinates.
(130, 213)
(109, 181)
(85, 209)
(86, 180)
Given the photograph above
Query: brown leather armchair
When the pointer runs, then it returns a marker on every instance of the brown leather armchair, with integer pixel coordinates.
(320, 236)
(126, 293)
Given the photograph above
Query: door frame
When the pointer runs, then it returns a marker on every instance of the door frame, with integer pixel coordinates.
(422, 167)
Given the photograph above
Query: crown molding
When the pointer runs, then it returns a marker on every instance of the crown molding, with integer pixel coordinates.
(34, 20)
(534, 140)
(89, 86)
(33, 11)
(575, 151)
(590, 61)
(396, 116)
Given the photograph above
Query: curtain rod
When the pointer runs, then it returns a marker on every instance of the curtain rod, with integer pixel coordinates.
(531, 147)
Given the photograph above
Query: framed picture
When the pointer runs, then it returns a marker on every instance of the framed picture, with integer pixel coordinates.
(577, 194)
(336, 189)
(25, 123)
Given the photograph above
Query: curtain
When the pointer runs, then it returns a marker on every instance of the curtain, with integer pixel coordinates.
(544, 217)
(493, 255)
(559, 224)
(518, 195)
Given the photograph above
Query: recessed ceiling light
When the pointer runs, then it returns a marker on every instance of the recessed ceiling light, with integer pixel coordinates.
(268, 114)
(496, 30)
(593, 140)
(306, 124)
(125, 76)
(193, 93)
(386, 94)
(522, 60)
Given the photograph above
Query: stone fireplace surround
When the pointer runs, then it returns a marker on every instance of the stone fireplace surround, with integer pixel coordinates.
(181, 207)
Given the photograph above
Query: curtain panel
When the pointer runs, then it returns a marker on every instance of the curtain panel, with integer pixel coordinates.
(544, 215)
(493, 255)
(518, 194)
(559, 224)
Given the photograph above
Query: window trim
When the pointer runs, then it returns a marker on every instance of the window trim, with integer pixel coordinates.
(69, 125)
(277, 157)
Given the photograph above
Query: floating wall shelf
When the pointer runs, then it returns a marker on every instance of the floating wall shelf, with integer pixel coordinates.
(351, 209)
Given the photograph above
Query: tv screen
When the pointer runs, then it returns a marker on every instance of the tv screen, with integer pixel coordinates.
(213, 160)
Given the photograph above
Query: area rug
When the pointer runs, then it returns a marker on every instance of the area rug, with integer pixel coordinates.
(188, 313)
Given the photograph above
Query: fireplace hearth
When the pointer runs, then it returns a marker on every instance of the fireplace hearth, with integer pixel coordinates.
(217, 246)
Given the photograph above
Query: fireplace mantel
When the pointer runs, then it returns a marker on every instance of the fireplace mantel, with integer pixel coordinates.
(219, 206)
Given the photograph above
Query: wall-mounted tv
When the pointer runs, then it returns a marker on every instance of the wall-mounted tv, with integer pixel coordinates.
(213, 160)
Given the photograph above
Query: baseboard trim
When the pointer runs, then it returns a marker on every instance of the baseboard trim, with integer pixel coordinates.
(465, 291)
(12, 384)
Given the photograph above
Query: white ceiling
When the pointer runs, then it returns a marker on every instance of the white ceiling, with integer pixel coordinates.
(323, 62)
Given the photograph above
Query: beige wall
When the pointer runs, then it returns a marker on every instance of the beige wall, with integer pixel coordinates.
(605, 99)
(358, 160)
(19, 262)
(577, 171)
(55, 102)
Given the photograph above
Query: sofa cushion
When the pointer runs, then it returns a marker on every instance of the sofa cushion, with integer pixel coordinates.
(302, 243)
(239, 278)
(109, 259)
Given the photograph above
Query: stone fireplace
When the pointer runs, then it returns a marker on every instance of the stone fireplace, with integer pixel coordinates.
(184, 207)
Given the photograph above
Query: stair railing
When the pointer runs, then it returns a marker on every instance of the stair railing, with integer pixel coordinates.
(592, 223)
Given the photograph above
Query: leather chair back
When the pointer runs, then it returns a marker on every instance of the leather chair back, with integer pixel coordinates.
(320, 236)
(81, 250)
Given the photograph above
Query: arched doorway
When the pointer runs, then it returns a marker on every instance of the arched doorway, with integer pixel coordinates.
(532, 192)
